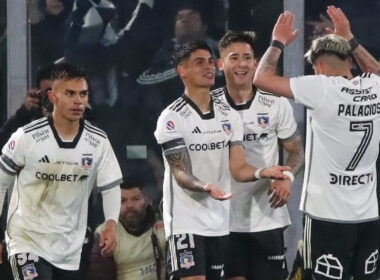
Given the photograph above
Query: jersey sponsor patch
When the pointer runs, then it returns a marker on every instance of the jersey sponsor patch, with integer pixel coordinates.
(227, 128)
(170, 125)
(263, 120)
(186, 259)
(12, 145)
(87, 163)
(29, 272)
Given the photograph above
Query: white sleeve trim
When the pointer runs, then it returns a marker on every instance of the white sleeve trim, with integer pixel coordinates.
(112, 203)
(6, 180)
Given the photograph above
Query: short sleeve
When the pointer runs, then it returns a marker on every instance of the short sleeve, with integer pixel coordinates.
(109, 174)
(237, 128)
(287, 125)
(13, 153)
(309, 90)
(168, 133)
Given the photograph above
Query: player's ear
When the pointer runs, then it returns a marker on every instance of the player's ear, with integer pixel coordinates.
(181, 72)
(219, 61)
(350, 62)
(52, 96)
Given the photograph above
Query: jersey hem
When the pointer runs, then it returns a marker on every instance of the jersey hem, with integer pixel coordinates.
(341, 221)
(236, 229)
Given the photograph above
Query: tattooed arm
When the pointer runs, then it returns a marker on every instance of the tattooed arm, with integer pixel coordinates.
(366, 61)
(180, 166)
(265, 77)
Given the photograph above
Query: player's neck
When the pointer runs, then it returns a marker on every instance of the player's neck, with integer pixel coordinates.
(65, 128)
(240, 94)
(201, 98)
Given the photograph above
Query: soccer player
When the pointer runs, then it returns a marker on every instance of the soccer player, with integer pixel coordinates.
(201, 139)
(54, 163)
(341, 237)
(256, 243)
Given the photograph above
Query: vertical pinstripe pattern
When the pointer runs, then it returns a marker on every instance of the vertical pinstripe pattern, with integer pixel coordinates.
(307, 243)
(14, 268)
(173, 253)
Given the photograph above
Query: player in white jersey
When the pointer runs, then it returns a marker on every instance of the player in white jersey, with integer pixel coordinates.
(54, 163)
(256, 243)
(201, 140)
(343, 113)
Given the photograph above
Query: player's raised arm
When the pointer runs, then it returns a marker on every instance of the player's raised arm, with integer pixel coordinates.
(366, 61)
(265, 77)
(180, 166)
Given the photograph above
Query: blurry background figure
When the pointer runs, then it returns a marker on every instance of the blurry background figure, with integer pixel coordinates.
(49, 20)
(140, 252)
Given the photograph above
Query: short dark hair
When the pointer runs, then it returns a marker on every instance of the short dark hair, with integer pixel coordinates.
(184, 51)
(130, 182)
(330, 44)
(67, 71)
(232, 36)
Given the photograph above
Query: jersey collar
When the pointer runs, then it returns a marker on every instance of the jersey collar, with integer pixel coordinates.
(207, 116)
(238, 107)
(62, 144)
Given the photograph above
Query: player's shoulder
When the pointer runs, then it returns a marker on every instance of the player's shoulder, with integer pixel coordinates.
(93, 130)
(175, 109)
(35, 125)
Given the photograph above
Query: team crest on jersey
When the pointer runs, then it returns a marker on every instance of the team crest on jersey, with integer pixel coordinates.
(87, 162)
(12, 145)
(186, 259)
(170, 125)
(263, 120)
(227, 128)
(29, 272)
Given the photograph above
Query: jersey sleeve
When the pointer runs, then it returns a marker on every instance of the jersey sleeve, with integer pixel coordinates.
(287, 125)
(109, 174)
(237, 128)
(309, 90)
(168, 133)
(13, 155)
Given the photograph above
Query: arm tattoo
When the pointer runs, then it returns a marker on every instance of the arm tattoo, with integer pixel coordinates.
(296, 157)
(366, 61)
(180, 166)
(270, 60)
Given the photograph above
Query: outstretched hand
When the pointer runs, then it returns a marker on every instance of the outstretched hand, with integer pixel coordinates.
(341, 23)
(283, 29)
(217, 193)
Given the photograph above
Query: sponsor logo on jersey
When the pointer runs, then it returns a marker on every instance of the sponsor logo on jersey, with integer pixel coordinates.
(227, 128)
(263, 120)
(255, 137)
(41, 136)
(186, 260)
(29, 272)
(347, 180)
(196, 130)
(266, 101)
(83, 178)
(208, 146)
(12, 145)
(170, 125)
(87, 163)
(91, 139)
(59, 177)
(44, 159)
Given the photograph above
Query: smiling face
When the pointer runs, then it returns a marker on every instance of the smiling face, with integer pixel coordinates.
(238, 64)
(198, 70)
(70, 98)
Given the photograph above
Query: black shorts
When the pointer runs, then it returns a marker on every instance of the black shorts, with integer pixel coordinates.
(30, 266)
(193, 255)
(339, 251)
(256, 255)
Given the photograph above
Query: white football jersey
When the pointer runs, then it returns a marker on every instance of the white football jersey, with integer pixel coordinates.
(342, 146)
(48, 210)
(265, 119)
(206, 138)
